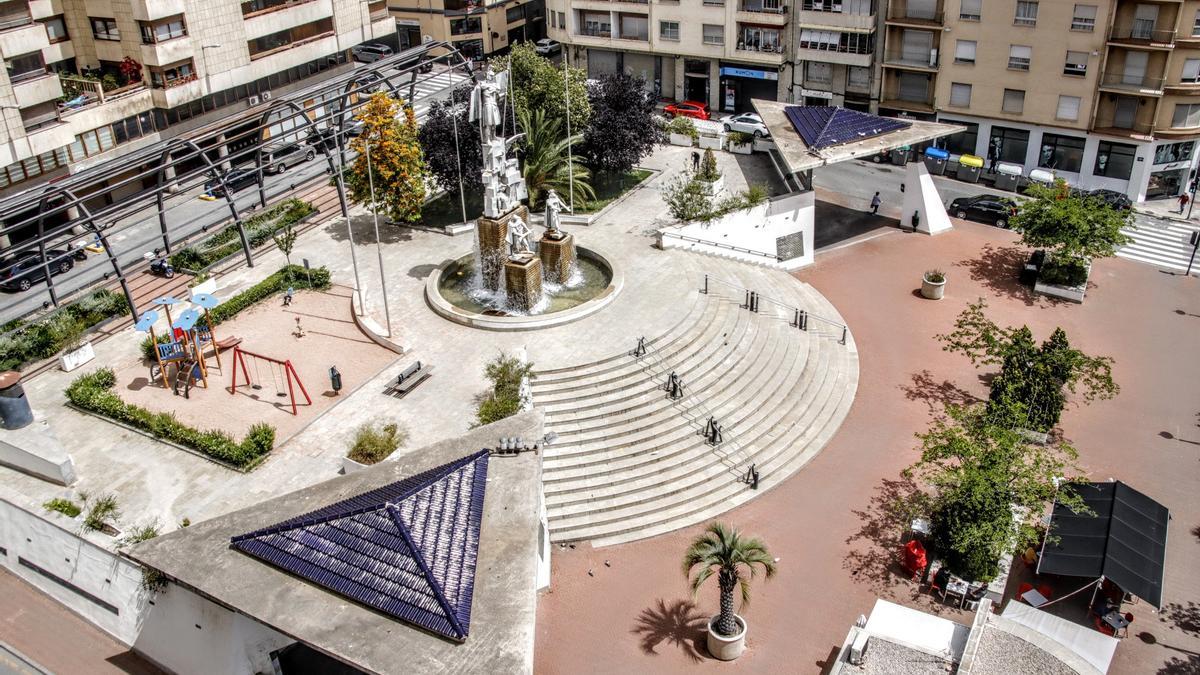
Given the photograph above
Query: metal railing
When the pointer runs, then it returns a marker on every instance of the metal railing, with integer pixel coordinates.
(1121, 80)
(718, 244)
(760, 8)
(797, 317)
(838, 48)
(899, 12)
(1139, 34)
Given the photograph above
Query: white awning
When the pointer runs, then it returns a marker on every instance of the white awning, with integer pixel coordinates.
(1091, 645)
(917, 629)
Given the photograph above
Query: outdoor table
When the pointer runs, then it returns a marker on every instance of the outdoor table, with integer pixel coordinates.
(1034, 598)
(957, 587)
(1116, 620)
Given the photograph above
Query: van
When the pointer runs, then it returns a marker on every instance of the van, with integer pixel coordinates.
(277, 158)
(370, 53)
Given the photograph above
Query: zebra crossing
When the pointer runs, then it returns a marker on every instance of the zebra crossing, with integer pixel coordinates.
(435, 87)
(1160, 242)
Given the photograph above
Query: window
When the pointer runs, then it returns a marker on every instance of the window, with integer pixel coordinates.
(554, 19)
(1019, 57)
(1187, 115)
(1026, 13)
(1084, 18)
(105, 29)
(1008, 145)
(964, 51)
(713, 35)
(562, 19)
(26, 66)
(963, 142)
(715, 3)
(1191, 71)
(1115, 160)
(970, 10)
(1068, 108)
(162, 30)
(668, 30)
(960, 94)
(515, 14)
(1196, 24)
(285, 38)
(466, 26)
(1076, 64)
(635, 27)
(1064, 153)
(817, 71)
(165, 77)
(1014, 101)
(1173, 152)
(597, 25)
(56, 29)
(858, 76)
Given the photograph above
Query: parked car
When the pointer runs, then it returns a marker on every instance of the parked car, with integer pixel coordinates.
(323, 140)
(1117, 200)
(21, 272)
(984, 209)
(370, 53)
(235, 179)
(747, 123)
(277, 158)
(546, 47)
(687, 109)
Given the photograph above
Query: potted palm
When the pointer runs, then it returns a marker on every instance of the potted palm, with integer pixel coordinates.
(722, 551)
(933, 284)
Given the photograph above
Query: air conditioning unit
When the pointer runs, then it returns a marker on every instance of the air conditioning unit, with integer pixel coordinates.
(254, 100)
(858, 648)
(266, 96)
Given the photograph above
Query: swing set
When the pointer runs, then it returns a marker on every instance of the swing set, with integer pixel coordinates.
(281, 372)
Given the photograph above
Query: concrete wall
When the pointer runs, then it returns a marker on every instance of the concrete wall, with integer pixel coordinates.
(756, 228)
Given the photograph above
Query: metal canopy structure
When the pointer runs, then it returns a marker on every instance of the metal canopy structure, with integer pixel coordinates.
(825, 126)
(89, 206)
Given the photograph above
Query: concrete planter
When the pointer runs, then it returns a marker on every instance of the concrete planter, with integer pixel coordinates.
(208, 286)
(715, 187)
(712, 142)
(350, 466)
(682, 140)
(1038, 437)
(726, 648)
(933, 290)
(71, 360)
(1072, 293)
(741, 148)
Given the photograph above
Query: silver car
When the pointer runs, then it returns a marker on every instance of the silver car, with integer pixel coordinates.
(369, 53)
(747, 123)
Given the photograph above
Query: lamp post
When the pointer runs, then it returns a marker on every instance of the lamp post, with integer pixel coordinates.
(387, 315)
(204, 55)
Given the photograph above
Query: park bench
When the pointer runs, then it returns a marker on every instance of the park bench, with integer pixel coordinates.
(411, 377)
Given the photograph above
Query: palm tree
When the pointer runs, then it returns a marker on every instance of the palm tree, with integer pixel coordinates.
(546, 163)
(721, 550)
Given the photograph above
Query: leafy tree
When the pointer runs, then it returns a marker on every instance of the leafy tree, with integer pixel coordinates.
(504, 399)
(443, 156)
(397, 166)
(985, 487)
(285, 239)
(537, 84)
(686, 198)
(708, 167)
(721, 550)
(1076, 228)
(622, 131)
(546, 164)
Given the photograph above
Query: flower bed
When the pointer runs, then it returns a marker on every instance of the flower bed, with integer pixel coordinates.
(226, 243)
(42, 339)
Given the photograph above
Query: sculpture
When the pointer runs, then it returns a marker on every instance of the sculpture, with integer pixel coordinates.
(518, 237)
(503, 185)
(554, 205)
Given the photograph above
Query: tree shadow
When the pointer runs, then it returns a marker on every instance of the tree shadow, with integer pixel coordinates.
(679, 624)
(363, 228)
(936, 395)
(998, 269)
(421, 271)
(1181, 665)
(874, 555)
(1185, 618)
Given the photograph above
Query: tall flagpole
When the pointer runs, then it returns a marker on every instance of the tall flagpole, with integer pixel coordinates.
(387, 315)
(567, 100)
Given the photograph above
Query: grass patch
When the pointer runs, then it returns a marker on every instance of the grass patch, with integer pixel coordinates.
(64, 506)
(610, 186)
(30, 342)
(259, 230)
(373, 444)
(102, 510)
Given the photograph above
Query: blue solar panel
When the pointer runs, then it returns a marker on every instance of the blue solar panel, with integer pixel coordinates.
(825, 126)
(407, 549)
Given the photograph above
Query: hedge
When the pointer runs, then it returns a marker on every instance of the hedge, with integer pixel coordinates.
(225, 243)
(45, 338)
(93, 392)
(276, 283)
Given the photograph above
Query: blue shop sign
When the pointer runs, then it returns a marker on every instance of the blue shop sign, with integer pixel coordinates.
(749, 72)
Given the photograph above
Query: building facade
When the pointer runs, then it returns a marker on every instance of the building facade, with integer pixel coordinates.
(834, 50)
(87, 80)
(477, 29)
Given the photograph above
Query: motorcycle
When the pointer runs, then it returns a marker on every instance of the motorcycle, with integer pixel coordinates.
(160, 265)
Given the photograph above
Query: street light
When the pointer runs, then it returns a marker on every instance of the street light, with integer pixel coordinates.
(204, 55)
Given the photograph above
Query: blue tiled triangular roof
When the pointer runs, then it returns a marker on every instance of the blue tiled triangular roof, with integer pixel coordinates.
(407, 549)
(823, 126)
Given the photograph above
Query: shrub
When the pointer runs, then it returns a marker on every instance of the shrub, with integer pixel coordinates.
(683, 126)
(687, 199)
(102, 509)
(64, 506)
(141, 533)
(260, 229)
(708, 167)
(275, 283)
(373, 444)
(740, 138)
(93, 392)
(26, 343)
(1064, 272)
(504, 400)
(755, 194)
(935, 276)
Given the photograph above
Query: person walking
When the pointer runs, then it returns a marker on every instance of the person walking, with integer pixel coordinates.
(695, 161)
(1183, 202)
(875, 201)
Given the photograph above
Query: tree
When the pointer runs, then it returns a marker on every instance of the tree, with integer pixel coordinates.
(721, 550)
(985, 487)
(686, 198)
(537, 84)
(443, 156)
(546, 164)
(1076, 228)
(708, 167)
(398, 169)
(285, 239)
(622, 130)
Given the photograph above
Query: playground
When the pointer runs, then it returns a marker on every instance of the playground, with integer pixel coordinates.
(276, 356)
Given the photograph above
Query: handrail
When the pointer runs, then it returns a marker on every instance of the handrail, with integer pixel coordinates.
(801, 315)
(718, 244)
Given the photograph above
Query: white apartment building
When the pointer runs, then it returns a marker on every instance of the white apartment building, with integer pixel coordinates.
(86, 80)
(834, 50)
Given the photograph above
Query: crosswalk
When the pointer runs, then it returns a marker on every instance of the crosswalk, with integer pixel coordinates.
(1160, 242)
(435, 87)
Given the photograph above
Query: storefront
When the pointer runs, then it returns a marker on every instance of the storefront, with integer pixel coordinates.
(695, 80)
(1172, 161)
(409, 33)
(739, 84)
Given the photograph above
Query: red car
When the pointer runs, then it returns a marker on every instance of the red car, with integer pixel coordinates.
(687, 109)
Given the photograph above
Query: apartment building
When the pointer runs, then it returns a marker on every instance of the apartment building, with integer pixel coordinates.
(1103, 93)
(477, 29)
(721, 52)
(834, 51)
(89, 79)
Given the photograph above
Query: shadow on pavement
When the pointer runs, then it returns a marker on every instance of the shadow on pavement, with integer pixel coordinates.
(874, 555)
(834, 224)
(364, 230)
(679, 624)
(998, 269)
(936, 395)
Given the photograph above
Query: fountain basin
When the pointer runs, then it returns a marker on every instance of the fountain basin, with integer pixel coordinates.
(448, 292)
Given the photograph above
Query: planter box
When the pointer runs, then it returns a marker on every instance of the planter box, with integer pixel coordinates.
(209, 287)
(714, 188)
(1072, 293)
(71, 360)
(350, 466)
(681, 140)
(1038, 437)
(712, 142)
(931, 289)
(741, 148)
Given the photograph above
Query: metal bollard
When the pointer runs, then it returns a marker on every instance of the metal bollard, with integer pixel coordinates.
(705, 289)
(844, 331)
(803, 320)
(746, 304)
(796, 319)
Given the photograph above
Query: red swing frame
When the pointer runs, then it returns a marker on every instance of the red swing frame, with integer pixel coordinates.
(239, 359)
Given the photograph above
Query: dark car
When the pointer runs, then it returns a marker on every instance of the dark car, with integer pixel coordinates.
(984, 209)
(324, 140)
(277, 158)
(235, 179)
(23, 271)
(1117, 200)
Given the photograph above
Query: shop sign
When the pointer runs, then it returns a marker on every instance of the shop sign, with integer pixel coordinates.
(728, 71)
(812, 93)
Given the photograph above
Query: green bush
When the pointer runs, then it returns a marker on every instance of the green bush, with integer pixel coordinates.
(93, 392)
(683, 126)
(504, 400)
(26, 343)
(64, 506)
(373, 444)
(708, 167)
(101, 510)
(259, 230)
(740, 137)
(1064, 272)
(276, 283)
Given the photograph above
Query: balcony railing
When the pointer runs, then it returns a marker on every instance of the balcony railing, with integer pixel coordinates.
(1131, 82)
(257, 7)
(595, 32)
(837, 48)
(761, 49)
(901, 13)
(1108, 123)
(762, 7)
(27, 75)
(642, 37)
(825, 6)
(82, 93)
(899, 59)
(1141, 35)
(41, 121)
(9, 21)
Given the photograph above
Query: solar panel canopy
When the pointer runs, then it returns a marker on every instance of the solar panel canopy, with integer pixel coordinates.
(1124, 539)
(825, 126)
(407, 549)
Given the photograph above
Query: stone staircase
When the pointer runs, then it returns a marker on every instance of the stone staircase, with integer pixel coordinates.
(631, 463)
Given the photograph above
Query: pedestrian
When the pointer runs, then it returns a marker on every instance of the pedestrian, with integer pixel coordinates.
(875, 204)
(1183, 202)
(695, 161)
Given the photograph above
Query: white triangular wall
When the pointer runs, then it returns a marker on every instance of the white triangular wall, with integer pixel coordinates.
(921, 196)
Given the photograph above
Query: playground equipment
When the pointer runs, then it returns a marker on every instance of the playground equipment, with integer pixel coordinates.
(204, 332)
(281, 371)
(183, 352)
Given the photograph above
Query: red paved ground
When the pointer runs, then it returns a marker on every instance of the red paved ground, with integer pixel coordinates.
(635, 616)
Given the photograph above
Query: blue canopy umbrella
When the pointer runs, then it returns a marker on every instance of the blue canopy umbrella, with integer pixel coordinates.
(146, 321)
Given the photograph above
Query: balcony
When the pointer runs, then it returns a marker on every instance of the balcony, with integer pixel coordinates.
(859, 54)
(150, 10)
(900, 14)
(32, 90)
(835, 20)
(763, 14)
(24, 39)
(759, 55)
(168, 52)
(1141, 36)
(889, 101)
(1131, 84)
(1182, 88)
(14, 15)
(1126, 129)
(910, 62)
(284, 16)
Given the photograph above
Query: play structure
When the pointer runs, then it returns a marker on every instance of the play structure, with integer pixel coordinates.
(189, 336)
(280, 370)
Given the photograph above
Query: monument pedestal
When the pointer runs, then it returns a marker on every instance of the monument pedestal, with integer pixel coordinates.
(523, 281)
(492, 237)
(557, 252)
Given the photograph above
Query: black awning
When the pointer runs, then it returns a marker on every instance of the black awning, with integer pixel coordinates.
(1124, 539)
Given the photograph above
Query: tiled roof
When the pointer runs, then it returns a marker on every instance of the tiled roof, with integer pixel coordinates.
(407, 549)
(823, 126)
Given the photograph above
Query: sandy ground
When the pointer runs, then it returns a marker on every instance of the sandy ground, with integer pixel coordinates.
(330, 339)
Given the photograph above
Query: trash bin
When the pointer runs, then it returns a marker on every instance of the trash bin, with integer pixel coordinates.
(14, 407)
(969, 168)
(900, 156)
(935, 160)
(1042, 177)
(1007, 176)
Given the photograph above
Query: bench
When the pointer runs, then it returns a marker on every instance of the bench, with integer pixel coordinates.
(411, 377)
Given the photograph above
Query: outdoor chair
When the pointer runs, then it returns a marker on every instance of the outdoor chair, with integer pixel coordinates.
(913, 559)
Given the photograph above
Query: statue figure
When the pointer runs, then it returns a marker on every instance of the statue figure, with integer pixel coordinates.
(518, 237)
(504, 187)
(554, 204)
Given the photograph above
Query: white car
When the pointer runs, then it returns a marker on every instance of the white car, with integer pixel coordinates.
(747, 123)
(546, 46)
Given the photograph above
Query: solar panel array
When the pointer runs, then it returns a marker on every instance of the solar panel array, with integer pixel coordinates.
(825, 126)
(407, 549)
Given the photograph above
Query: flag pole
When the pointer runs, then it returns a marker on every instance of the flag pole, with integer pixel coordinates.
(567, 100)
